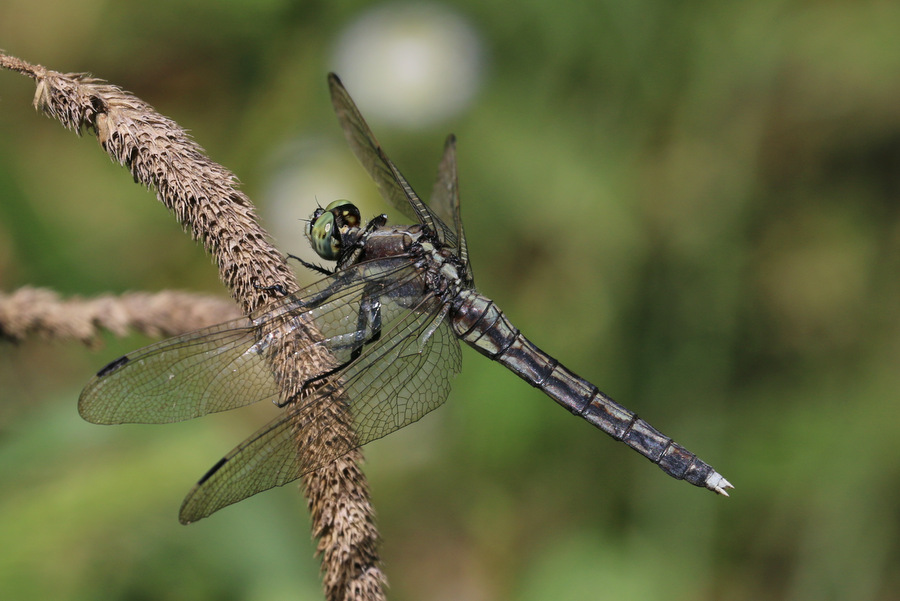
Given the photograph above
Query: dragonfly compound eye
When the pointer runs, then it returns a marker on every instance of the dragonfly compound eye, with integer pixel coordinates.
(324, 237)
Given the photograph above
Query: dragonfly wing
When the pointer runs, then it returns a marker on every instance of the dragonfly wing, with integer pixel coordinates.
(445, 199)
(226, 366)
(400, 377)
(202, 372)
(368, 151)
(391, 184)
(405, 376)
(267, 459)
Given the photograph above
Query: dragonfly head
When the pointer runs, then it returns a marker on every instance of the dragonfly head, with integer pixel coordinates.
(327, 228)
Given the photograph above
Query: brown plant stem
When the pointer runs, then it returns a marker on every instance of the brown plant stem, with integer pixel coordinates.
(204, 197)
(39, 312)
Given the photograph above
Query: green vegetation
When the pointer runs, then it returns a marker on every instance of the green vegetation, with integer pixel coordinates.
(694, 205)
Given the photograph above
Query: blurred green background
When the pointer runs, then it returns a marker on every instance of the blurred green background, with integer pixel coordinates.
(694, 205)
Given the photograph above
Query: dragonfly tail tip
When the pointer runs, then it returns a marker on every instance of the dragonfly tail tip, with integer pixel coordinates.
(718, 484)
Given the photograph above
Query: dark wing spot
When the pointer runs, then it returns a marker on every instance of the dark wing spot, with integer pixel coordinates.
(113, 366)
(212, 470)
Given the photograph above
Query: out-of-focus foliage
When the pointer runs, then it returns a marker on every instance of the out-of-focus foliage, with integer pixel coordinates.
(694, 205)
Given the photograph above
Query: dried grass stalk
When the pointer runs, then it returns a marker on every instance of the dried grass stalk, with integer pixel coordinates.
(204, 197)
(40, 312)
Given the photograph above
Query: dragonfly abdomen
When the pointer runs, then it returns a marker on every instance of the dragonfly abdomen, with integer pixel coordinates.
(478, 321)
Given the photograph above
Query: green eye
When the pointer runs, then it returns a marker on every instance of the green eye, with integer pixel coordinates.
(327, 226)
(323, 236)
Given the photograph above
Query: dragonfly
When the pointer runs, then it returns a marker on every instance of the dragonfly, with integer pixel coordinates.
(390, 316)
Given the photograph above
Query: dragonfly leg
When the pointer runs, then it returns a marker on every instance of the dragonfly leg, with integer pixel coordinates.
(369, 317)
(311, 266)
(370, 311)
(274, 288)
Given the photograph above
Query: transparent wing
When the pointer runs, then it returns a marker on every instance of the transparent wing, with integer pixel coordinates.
(391, 184)
(202, 372)
(445, 200)
(399, 378)
(225, 366)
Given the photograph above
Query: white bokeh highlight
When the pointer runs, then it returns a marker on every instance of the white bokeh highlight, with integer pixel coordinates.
(410, 65)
